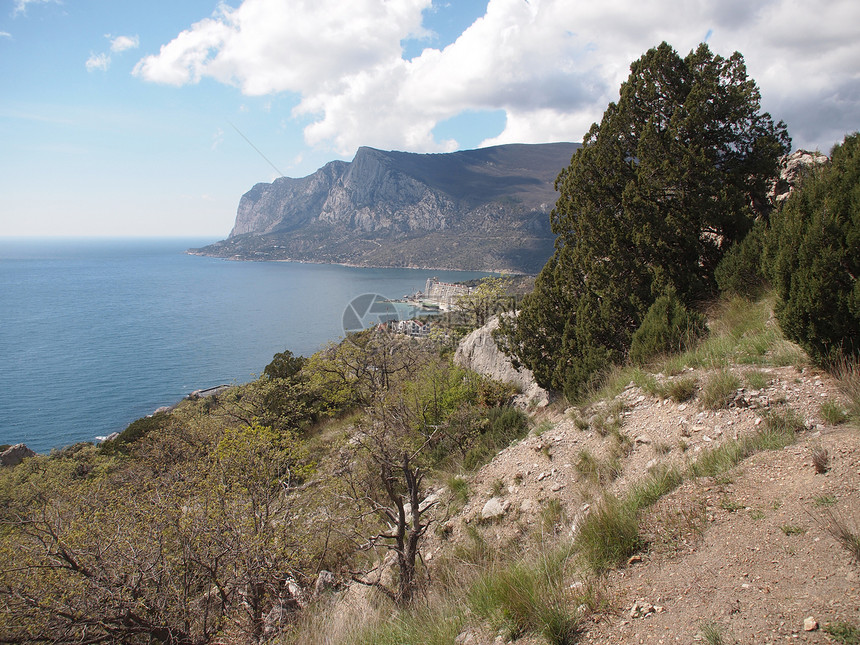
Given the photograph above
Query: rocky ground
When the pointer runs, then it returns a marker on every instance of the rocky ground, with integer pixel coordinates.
(748, 557)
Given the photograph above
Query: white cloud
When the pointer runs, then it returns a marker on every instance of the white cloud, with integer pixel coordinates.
(21, 5)
(551, 65)
(5, 34)
(123, 43)
(119, 44)
(98, 62)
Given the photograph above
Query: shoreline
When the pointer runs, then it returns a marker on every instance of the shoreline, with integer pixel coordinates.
(353, 265)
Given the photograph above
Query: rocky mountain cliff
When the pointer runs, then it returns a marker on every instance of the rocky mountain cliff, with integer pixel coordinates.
(476, 209)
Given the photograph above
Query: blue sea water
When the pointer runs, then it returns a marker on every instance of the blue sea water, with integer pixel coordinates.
(97, 333)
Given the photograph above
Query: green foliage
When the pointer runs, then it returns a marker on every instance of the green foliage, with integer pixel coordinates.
(780, 430)
(528, 596)
(834, 412)
(425, 625)
(672, 177)
(284, 365)
(681, 389)
(719, 389)
(505, 425)
(135, 431)
(740, 272)
(182, 533)
(813, 258)
(489, 297)
(667, 327)
(609, 535)
(712, 634)
(660, 481)
(844, 633)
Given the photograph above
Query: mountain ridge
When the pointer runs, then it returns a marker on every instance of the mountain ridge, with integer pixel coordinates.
(482, 209)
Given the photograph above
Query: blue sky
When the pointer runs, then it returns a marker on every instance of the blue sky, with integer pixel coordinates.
(134, 118)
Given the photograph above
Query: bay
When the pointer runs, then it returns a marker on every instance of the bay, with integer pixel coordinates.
(97, 333)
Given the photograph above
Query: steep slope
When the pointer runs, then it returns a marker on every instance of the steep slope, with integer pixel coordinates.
(475, 209)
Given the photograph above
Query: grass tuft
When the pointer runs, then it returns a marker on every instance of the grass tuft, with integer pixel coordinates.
(833, 412)
(848, 535)
(528, 596)
(820, 459)
(719, 390)
(847, 371)
(682, 389)
(609, 535)
(844, 633)
(712, 634)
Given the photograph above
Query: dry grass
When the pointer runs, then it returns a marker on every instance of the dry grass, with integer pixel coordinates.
(846, 532)
(820, 459)
(847, 371)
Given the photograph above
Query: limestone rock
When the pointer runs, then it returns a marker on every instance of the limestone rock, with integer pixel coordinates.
(792, 168)
(810, 624)
(389, 208)
(479, 352)
(494, 508)
(15, 455)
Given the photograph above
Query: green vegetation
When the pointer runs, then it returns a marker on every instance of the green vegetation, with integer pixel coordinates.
(176, 529)
(833, 412)
(813, 258)
(719, 389)
(682, 389)
(668, 327)
(528, 596)
(610, 534)
(651, 201)
(712, 634)
(844, 633)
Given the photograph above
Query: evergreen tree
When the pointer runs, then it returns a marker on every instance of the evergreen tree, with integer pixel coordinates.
(675, 173)
(813, 258)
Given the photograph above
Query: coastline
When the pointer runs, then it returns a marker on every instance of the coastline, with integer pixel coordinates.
(354, 265)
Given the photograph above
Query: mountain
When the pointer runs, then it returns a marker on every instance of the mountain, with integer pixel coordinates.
(484, 209)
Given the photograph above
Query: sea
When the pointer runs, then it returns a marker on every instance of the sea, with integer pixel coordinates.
(95, 333)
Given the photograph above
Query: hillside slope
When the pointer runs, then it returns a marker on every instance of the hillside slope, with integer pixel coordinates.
(742, 466)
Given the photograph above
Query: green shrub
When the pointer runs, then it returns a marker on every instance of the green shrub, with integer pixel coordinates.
(505, 425)
(813, 258)
(667, 327)
(833, 412)
(740, 273)
(660, 481)
(844, 633)
(135, 431)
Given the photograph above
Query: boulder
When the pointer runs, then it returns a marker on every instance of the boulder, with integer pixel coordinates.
(494, 508)
(479, 353)
(15, 455)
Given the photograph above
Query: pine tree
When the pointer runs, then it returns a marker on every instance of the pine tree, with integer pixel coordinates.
(674, 174)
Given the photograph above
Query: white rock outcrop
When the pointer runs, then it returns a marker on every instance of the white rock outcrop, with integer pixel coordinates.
(792, 168)
(479, 352)
(15, 455)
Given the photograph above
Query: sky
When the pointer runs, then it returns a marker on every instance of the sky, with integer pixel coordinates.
(132, 118)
